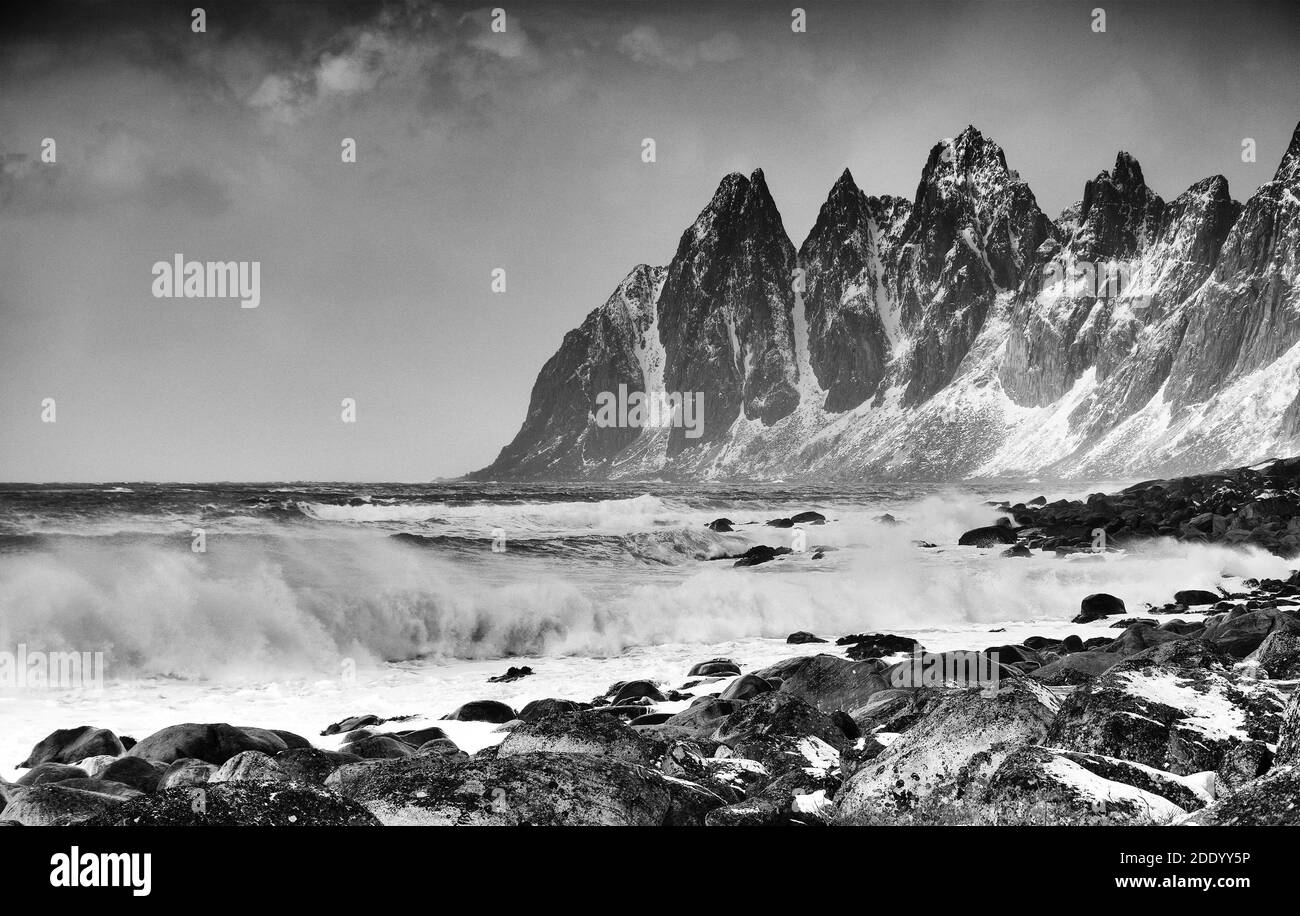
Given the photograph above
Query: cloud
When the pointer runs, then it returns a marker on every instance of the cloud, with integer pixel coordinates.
(645, 44)
(111, 167)
(437, 61)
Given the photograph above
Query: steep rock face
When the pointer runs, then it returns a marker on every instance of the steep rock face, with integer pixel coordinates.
(1139, 331)
(1247, 315)
(1059, 321)
(616, 344)
(852, 322)
(1119, 214)
(725, 313)
(973, 229)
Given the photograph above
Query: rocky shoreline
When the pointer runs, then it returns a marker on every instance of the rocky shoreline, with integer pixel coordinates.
(1257, 505)
(1186, 713)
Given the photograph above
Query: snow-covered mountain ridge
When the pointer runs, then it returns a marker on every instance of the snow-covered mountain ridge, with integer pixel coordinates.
(936, 338)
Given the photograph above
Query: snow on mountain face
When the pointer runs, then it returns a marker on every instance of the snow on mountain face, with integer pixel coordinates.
(617, 344)
(725, 312)
(953, 335)
(853, 325)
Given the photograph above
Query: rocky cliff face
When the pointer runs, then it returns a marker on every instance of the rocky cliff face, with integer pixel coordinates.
(962, 333)
(616, 344)
(726, 310)
(972, 231)
(853, 326)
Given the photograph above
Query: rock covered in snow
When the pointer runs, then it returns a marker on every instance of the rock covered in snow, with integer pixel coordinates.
(966, 729)
(1181, 720)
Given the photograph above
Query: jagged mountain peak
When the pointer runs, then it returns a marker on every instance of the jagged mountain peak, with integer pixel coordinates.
(1289, 168)
(845, 185)
(925, 327)
(640, 277)
(975, 143)
(1119, 214)
(1127, 172)
(734, 182)
(731, 188)
(741, 205)
(969, 161)
(845, 206)
(735, 189)
(969, 197)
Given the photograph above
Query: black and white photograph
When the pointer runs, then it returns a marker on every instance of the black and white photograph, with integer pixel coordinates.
(575, 414)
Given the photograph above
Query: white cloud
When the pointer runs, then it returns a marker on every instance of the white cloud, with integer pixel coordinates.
(645, 44)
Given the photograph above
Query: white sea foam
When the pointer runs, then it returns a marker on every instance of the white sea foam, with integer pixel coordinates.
(262, 627)
(301, 602)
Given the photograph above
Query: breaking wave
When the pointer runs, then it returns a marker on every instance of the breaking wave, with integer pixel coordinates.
(292, 601)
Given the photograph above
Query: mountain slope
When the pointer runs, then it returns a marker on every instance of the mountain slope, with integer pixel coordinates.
(962, 333)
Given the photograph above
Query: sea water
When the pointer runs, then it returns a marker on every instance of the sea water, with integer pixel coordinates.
(293, 606)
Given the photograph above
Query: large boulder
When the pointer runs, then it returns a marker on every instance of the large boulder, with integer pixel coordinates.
(636, 692)
(803, 637)
(1139, 638)
(714, 667)
(988, 536)
(352, 723)
(482, 711)
(1190, 597)
(237, 804)
(1278, 656)
(537, 708)
(831, 683)
(809, 761)
(272, 740)
(1243, 633)
(53, 805)
(96, 765)
(102, 786)
(543, 789)
(135, 772)
(1076, 668)
(1273, 800)
(378, 747)
(701, 717)
(877, 645)
(310, 765)
(581, 732)
(69, 745)
(937, 753)
(779, 714)
(1039, 785)
(1095, 607)
(1187, 792)
(212, 743)
(746, 687)
(897, 709)
(1177, 719)
(51, 772)
(1188, 652)
(250, 766)
(951, 669)
(418, 736)
(185, 773)
(1242, 763)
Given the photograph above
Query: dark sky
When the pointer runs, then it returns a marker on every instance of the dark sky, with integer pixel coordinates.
(480, 150)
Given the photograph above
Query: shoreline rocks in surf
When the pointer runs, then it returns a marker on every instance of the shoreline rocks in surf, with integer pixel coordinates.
(1258, 505)
(1150, 720)
(1185, 713)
